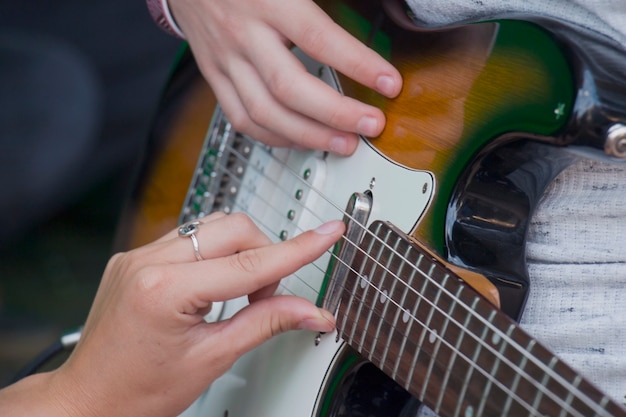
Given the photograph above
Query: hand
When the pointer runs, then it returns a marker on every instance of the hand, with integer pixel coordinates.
(241, 47)
(146, 348)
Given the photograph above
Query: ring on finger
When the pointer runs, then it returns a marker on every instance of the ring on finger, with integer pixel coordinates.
(189, 229)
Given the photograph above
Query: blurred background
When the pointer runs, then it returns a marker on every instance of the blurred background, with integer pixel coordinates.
(79, 84)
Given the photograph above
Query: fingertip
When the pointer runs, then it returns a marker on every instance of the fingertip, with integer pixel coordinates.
(272, 316)
(323, 322)
(343, 145)
(368, 126)
(371, 125)
(331, 227)
(389, 85)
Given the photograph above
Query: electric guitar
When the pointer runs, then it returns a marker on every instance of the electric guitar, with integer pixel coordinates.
(430, 276)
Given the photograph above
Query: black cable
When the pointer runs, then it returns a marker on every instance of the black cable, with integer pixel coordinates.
(65, 343)
(44, 357)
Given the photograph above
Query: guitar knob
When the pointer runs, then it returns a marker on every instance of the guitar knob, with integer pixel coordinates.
(615, 143)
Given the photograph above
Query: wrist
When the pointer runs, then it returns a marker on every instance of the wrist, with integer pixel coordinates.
(34, 396)
(162, 15)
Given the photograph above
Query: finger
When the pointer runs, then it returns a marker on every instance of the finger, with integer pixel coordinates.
(205, 310)
(296, 89)
(264, 292)
(222, 236)
(228, 97)
(206, 219)
(324, 40)
(258, 322)
(263, 108)
(248, 271)
(253, 111)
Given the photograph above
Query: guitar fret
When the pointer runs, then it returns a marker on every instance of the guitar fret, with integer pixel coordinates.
(380, 297)
(402, 311)
(470, 369)
(495, 368)
(406, 318)
(398, 306)
(418, 348)
(570, 396)
(365, 283)
(544, 382)
(516, 379)
(453, 355)
(368, 299)
(405, 337)
(603, 404)
(432, 334)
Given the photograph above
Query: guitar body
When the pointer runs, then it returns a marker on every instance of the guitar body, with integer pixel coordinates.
(469, 148)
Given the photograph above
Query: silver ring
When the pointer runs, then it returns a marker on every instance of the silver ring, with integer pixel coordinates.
(189, 229)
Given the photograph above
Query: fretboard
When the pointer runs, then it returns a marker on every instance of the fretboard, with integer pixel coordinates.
(446, 345)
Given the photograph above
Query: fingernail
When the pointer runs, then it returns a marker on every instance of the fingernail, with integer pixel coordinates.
(386, 85)
(368, 126)
(325, 322)
(339, 145)
(329, 227)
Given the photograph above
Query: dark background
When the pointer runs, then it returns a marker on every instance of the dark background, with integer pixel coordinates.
(79, 84)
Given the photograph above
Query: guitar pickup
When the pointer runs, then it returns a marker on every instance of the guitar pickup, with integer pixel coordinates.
(356, 216)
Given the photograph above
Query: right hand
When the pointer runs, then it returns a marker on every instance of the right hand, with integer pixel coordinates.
(146, 349)
(242, 49)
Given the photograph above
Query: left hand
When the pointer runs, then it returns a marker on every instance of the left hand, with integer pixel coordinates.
(242, 48)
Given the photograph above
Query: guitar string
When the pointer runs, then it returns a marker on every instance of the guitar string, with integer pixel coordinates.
(470, 311)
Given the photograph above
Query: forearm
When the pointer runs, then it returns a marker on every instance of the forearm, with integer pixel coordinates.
(34, 396)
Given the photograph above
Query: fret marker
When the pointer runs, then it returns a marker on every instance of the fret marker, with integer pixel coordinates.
(383, 296)
(432, 337)
(469, 411)
(364, 281)
(495, 338)
(406, 316)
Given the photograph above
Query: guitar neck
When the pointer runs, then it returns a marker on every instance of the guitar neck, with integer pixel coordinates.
(446, 345)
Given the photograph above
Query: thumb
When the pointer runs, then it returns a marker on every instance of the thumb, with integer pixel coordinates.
(271, 316)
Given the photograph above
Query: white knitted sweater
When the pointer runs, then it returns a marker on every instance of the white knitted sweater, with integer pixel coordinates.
(577, 266)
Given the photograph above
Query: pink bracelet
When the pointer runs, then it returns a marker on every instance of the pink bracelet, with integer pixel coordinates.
(160, 12)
